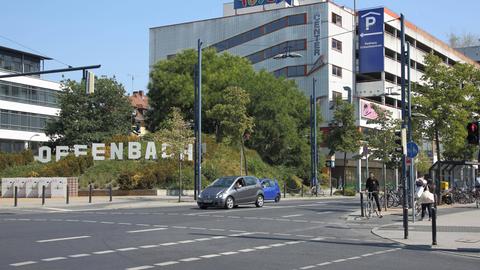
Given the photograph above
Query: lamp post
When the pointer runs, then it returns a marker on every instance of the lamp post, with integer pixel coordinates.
(29, 140)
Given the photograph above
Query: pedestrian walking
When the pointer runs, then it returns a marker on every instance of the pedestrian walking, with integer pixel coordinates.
(427, 199)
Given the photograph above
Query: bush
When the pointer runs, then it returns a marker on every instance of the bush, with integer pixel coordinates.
(294, 184)
(15, 159)
(125, 180)
(66, 167)
(348, 192)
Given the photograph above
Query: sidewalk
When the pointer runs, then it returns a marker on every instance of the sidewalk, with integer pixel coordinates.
(458, 232)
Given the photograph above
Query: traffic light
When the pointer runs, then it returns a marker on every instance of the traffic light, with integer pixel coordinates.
(401, 141)
(473, 133)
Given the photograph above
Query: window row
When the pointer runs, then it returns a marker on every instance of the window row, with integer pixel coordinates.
(288, 46)
(17, 64)
(336, 45)
(28, 94)
(14, 120)
(291, 71)
(417, 44)
(265, 29)
(397, 57)
(336, 19)
(337, 71)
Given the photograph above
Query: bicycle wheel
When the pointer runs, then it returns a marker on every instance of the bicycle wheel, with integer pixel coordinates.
(368, 209)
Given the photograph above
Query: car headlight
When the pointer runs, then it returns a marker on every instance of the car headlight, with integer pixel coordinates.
(200, 195)
(220, 194)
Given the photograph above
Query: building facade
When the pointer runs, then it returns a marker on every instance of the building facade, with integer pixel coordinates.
(472, 52)
(26, 103)
(139, 101)
(322, 32)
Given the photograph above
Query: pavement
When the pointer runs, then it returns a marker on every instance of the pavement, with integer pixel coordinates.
(148, 233)
(458, 230)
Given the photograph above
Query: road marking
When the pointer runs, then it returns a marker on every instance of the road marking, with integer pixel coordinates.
(79, 255)
(186, 241)
(325, 263)
(282, 234)
(141, 267)
(307, 267)
(166, 263)
(22, 263)
(326, 212)
(190, 259)
(262, 247)
(149, 246)
(179, 227)
(89, 221)
(124, 223)
(127, 249)
(229, 253)
(63, 239)
(147, 230)
(202, 239)
(297, 215)
(278, 245)
(169, 244)
(247, 250)
(210, 256)
(104, 252)
(107, 222)
(53, 259)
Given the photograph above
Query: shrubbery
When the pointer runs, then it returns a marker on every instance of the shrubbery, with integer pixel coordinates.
(15, 159)
(68, 166)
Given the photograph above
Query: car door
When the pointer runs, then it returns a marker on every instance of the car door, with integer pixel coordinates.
(268, 190)
(252, 188)
(241, 194)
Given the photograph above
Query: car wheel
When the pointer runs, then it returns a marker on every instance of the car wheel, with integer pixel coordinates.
(202, 206)
(259, 202)
(277, 199)
(229, 202)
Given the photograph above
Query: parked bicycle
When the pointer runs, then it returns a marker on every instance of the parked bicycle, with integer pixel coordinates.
(371, 206)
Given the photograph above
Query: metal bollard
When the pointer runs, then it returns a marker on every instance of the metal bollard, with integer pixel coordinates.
(302, 190)
(15, 195)
(362, 212)
(284, 189)
(43, 195)
(434, 226)
(68, 194)
(90, 193)
(110, 192)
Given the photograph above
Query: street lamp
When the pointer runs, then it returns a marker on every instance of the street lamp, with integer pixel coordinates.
(29, 140)
(287, 54)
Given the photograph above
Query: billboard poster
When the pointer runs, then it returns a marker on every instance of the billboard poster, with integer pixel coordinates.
(371, 40)
(251, 3)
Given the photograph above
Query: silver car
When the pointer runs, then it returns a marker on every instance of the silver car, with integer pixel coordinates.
(230, 191)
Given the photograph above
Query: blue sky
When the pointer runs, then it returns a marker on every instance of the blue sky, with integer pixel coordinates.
(114, 33)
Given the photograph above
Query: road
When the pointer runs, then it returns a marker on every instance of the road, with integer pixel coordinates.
(290, 235)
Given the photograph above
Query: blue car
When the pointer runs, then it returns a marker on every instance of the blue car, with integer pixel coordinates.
(271, 189)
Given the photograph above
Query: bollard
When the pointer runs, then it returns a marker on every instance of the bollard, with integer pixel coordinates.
(43, 195)
(284, 189)
(15, 201)
(434, 226)
(362, 212)
(90, 193)
(302, 190)
(68, 194)
(110, 191)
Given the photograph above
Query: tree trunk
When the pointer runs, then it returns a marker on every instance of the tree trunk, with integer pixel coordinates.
(439, 170)
(244, 157)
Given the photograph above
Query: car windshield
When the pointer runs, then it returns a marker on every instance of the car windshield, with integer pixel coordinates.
(223, 182)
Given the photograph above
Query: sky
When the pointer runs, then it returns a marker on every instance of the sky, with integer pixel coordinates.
(115, 33)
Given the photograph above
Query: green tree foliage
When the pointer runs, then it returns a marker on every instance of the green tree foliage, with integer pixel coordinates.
(423, 163)
(381, 139)
(176, 132)
(344, 136)
(230, 115)
(90, 118)
(448, 98)
(279, 109)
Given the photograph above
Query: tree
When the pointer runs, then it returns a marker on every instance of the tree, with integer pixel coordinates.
(449, 98)
(381, 138)
(279, 109)
(87, 118)
(230, 115)
(178, 134)
(344, 136)
(463, 40)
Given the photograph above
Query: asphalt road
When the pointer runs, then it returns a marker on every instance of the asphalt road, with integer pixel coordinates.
(289, 235)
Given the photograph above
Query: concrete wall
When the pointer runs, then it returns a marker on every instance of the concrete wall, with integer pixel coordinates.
(32, 187)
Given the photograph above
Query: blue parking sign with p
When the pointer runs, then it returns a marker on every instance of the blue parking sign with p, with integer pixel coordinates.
(371, 40)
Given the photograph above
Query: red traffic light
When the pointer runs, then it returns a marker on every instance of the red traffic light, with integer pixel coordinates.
(472, 127)
(473, 133)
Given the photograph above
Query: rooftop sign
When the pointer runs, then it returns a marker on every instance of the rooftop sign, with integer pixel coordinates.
(251, 3)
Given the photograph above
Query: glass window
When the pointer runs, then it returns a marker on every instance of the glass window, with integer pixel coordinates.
(336, 19)
(337, 45)
(280, 72)
(275, 25)
(337, 71)
(297, 19)
(296, 71)
(250, 181)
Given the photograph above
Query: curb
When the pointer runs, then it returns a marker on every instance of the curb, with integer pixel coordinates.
(430, 248)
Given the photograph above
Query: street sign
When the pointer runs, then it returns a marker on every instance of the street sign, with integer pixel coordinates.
(412, 149)
(371, 40)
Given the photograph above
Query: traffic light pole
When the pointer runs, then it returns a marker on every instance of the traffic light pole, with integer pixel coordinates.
(314, 151)
(404, 161)
(198, 124)
(410, 133)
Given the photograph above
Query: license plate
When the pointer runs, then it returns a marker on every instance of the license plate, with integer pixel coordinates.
(207, 201)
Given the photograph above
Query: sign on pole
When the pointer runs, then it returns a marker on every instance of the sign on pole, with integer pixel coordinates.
(412, 149)
(371, 40)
